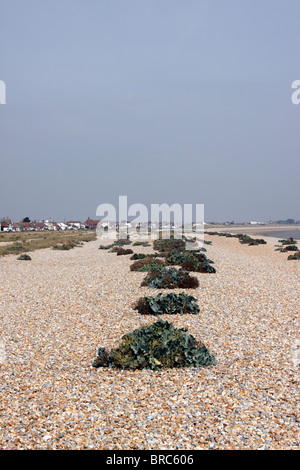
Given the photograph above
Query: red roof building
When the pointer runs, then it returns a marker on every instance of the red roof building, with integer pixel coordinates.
(90, 223)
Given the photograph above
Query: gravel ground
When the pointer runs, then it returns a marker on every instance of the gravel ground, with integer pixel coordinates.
(57, 309)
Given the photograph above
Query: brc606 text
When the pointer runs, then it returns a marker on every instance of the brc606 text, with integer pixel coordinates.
(170, 459)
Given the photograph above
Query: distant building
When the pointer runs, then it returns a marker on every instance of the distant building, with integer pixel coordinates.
(62, 226)
(91, 224)
(39, 225)
(75, 224)
(5, 224)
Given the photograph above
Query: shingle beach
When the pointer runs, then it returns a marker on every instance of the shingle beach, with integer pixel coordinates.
(60, 307)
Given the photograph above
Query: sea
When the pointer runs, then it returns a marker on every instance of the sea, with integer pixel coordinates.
(285, 234)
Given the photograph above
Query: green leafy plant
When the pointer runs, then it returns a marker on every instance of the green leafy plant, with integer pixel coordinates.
(152, 266)
(288, 244)
(243, 238)
(141, 243)
(288, 241)
(62, 246)
(191, 261)
(122, 242)
(176, 258)
(169, 245)
(24, 257)
(124, 251)
(15, 248)
(197, 266)
(246, 239)
(294, 256)
(155, 347)
(289, 248)
(174, 250)
(67, 245)
(114, 249)
(147, 264)
(170, 278)
(167, 304)
(136, 256)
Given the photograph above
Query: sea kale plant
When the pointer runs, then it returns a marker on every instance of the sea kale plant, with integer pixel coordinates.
(287, 245)
(288, 241)
(191, 261)
(247, 240)
(24, 257)
(170, 278)
(124, 251)
(156, 346)
(243, 238)
(174, 250)
(294, 256)
(122, 242)
(169, 245)
(136, 256)
(147, 264)
(167, 304)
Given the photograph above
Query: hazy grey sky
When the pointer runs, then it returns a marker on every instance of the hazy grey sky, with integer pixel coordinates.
(164, 101)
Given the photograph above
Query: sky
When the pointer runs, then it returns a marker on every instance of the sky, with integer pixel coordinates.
(164, 101)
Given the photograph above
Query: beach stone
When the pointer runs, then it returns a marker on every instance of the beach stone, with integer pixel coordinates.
(57, 310)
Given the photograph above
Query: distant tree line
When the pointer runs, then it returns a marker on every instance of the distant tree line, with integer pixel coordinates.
(287, 221)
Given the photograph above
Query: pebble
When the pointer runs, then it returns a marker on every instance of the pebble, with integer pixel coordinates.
(57, 309)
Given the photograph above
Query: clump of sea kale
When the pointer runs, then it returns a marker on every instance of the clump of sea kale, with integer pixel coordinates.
(294, 256)
(116, 245)
(122, 242)
(15, 248)
(170, 278)
(247, 240)
(289, 248)
(244, 239)
(147, 264)
(191, 261)
(24, 257)
(178, 257)
(136, 256)
(155, 347)
(288, 241)
(196, 266)
(124, 251)
(174, 250)
(62, 246)
(169, 245)
(167, 304)
(288, 244)
(68, 245)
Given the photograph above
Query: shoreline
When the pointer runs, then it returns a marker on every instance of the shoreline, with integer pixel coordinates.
(264, 231)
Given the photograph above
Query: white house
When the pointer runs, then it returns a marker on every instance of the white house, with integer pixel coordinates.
(62, 225)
